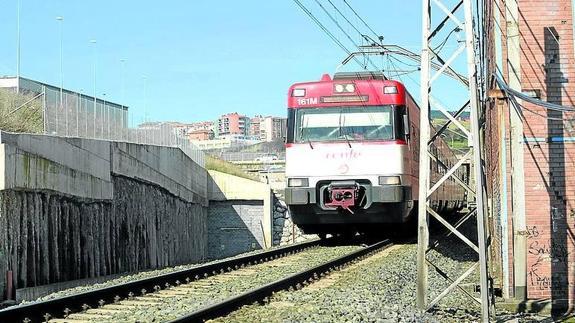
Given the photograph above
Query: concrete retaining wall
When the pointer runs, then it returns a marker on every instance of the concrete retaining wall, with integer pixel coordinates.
(240, 215)
(70, 166)
(83, 167)
(75, 208)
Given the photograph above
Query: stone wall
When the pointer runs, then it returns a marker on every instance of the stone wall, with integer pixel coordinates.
(284, 230)
(48, 237)
(234, 227)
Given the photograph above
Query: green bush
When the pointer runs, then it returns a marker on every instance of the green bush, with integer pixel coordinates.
(20, 113)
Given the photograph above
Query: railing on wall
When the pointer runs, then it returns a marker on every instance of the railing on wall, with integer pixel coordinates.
(78, 115)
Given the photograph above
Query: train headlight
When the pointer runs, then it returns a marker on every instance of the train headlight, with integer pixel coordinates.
(298, 92)
(344, 88)
(390, 90)
(298, 182)
(389, 180)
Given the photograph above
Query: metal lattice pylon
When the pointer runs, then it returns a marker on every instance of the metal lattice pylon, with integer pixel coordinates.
(429, 59)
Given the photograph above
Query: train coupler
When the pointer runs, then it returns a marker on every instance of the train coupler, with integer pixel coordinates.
(342, 194)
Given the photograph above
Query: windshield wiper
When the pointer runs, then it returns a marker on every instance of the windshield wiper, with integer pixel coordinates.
(301, 130)
(341, 128)
(309, 142)
(347, 140)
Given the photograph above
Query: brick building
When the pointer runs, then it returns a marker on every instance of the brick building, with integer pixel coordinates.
(199, 135)
(530, 150)
(233, 124)
(265, 128)
(255, 124)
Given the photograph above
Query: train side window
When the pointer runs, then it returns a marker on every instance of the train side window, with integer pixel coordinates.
(401, 122)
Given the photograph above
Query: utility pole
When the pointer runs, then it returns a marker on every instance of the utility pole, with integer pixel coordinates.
(516, 147)
(461, 15)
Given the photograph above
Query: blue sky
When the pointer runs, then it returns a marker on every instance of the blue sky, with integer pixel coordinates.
(199, 59)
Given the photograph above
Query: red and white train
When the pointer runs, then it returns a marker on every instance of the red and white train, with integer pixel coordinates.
(352, 155)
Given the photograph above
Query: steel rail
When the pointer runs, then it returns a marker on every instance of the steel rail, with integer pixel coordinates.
(60, 307)
(258, 294)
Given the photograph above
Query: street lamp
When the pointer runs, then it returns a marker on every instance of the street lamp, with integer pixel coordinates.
(18, 47)
(123, 90)
(123, 80)
(60, 22)
(145, 78)
(93, 42)
(105, 115)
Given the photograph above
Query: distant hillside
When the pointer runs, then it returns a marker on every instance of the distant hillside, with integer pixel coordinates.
(436, 114)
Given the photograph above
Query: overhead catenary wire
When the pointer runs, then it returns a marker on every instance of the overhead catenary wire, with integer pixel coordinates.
(359, 17)
(391, 56)
(345, 18)
(335, 39)
(344, 32)
(326, 31)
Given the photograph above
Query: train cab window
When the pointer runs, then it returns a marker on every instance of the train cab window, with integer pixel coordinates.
(344, 124)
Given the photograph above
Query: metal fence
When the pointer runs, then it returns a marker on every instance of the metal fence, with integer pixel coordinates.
(78, 115)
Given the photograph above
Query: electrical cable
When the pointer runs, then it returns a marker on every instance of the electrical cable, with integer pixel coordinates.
(344, 17)
(326, 31)
(345, 33)
(521, 107)
(358, 16)
(442, 44)
(402, 62)
(550, 106)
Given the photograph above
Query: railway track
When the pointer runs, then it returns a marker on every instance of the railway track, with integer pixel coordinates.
(200, 293)
(63, 306)
(296, 280)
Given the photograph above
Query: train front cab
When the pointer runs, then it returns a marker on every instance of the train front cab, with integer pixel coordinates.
(324, 207)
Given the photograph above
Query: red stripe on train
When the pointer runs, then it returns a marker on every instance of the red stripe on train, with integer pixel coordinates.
(374, 142)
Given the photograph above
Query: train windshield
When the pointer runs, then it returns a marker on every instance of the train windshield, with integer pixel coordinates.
(344, 123)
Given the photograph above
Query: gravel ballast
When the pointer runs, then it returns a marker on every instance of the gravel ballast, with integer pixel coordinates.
(125, 278)
(381, 288)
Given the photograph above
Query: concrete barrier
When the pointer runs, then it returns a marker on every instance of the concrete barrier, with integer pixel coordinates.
(78, 167)
(75, 208)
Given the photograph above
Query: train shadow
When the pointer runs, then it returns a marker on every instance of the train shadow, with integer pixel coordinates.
(365, 239)
(448, 244)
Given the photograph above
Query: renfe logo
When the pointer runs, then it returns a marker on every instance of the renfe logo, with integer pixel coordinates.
(348, 154)
(307, 101)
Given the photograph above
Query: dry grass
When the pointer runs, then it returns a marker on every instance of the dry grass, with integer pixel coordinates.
(213, 163)
(20, 113)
